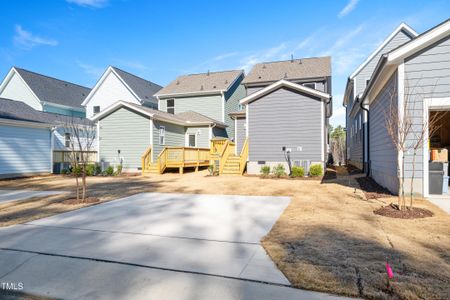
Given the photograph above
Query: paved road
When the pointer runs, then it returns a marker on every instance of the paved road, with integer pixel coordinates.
(169, 246)
(15, 195)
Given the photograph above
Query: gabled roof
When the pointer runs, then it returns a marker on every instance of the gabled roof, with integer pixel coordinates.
(189, 118)
(402, 27)
(51, 90)
(144, 90)
(202, 83)
(284, 83)
(390, 61)
(294, 69)
(19, 111)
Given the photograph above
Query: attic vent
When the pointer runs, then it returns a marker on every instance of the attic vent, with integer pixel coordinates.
(285, 75)
(264, 66)
(214, 87)
(292, 58)
(226, 81)
(146, 97)
(207, 73)
(178, 82)
(82, 94)
(201, 88)
(259, 77)
(299, 61)
(65, 84)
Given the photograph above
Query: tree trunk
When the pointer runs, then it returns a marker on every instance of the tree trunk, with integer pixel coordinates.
(84, 184)
(403, 181)
(78, 187)
(412, 178)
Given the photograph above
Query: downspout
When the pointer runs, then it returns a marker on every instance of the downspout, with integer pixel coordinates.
(361, 104)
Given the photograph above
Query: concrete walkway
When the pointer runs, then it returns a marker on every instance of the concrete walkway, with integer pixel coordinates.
(442, 201)
(165, 245)
(16, 195)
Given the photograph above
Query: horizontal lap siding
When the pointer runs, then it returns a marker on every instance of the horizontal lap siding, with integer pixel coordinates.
(427, 75)
(285, 118)
(128, 132)
(202, 134)
(232, 97)
(175, 137)
(356, 142)
(210, 106)
(240, 130)
(24, 150)
(383, 154)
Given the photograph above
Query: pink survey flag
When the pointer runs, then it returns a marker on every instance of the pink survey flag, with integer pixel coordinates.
(389, 271)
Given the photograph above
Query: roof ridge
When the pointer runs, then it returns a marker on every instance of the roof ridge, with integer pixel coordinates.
(54, 78)
(213, 72)
(286, 60)
(134, 75)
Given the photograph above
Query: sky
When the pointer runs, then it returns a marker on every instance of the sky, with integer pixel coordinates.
(75, 40)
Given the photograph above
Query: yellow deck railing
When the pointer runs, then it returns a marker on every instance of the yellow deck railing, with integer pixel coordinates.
(243, 157)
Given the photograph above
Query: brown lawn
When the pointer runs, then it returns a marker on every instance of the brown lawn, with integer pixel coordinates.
(328, 239)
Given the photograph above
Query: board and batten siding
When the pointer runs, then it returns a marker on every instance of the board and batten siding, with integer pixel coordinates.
(210, 106)
(24, 151)
(16, 89)
(127, 131)
(382, 151)
(285, 118)
(174, 137)
(427, 75)
(202, 136)
(240, 133)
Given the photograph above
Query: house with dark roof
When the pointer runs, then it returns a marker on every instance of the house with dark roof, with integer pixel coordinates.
(213, 94)
(286, 114)
(44, 93)
(126, 130)
(118, 85)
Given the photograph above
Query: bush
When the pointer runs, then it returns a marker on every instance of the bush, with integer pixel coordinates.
(65, 171)
(298, 172)
(119, 170)
(109, 171)
(98, 169)
(90, 170)
(265, 170)
(279, 171)
(211, 170)
(76, 171)
(316, 170)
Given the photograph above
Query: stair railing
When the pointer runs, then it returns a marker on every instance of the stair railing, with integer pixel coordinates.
(146, 159)
(243, 157)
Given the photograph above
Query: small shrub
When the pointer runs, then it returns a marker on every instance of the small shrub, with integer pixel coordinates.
(119, 170)
(109, 171)
(316, 170)
(211, 170)
(90, 170)
(298, 172)
(265, 171)
(98, 169)
(76, 171)
(65, 171)
(279, 171)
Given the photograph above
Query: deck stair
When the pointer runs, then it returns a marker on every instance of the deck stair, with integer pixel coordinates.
(223, 156)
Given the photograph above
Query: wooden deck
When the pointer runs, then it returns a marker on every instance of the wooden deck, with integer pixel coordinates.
(175, 157)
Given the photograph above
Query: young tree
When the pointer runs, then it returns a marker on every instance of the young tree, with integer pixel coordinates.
(337, 145)
(82, 135)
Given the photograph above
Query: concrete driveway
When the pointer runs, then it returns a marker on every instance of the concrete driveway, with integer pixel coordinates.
(163, 245)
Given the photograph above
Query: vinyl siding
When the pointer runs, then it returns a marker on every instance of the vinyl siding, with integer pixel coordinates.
(109, 92)
(356, 140)
(320, 86)
(210, 106)
(17, 90)
(383, 154)
(175, 137)
(24, 151)
(128, 132)
(202, 134)
(64, 111)
(240, 138)
(232, 98)
(285, 118)
(427, 75)
(59, 139)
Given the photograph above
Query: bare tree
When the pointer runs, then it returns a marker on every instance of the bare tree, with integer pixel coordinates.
(82, 136)
(337, 145)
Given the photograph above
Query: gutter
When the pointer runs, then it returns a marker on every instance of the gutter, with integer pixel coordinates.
(361, 104)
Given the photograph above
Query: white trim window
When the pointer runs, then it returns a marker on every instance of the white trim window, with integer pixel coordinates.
(67, 137)
(96, 109)
(311, 85)
(170, 103)
(192, 140)
(162, 135)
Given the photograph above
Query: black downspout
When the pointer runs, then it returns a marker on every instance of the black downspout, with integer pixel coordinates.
(364, 139)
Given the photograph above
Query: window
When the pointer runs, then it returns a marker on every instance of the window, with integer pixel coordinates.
(311, 85)
(67, 139)
(171, 106)
(162, 135)
(192, 140)
(96, 109)
(360, 122)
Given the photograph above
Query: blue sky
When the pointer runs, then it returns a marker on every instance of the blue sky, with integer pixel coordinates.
(76, 40)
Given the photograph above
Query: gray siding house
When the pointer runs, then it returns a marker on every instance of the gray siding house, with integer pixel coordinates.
(212, 94)
(356, 116)
(126, 130)
(416, 73)
(288, 104)
(44, 93)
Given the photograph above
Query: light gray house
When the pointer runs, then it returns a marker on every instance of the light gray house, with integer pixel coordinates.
(118, 85)
(126, 130)
(212, 94)
(288, 104)
(356, 114)
(418, 73)
(44, 93)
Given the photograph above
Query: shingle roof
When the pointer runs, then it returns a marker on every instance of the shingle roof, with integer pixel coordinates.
(19, 111)
(144, 89)
(303, 68)
(52, 90)
(201, 83)
(185, 117)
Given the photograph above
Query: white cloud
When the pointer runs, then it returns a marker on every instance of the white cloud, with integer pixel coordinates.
(223, 56)
(265, 55)
(93, 71)
(89, 3)
(351, 5)
(345, 40)
(27, 40)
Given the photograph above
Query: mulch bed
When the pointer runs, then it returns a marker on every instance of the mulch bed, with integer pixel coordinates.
(371, 189)
(392, 211)
(75, 201)
(286, 177)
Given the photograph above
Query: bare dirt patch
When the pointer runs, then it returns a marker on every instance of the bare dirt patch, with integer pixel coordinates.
(75, 201)
(371, 189)
(408, 213)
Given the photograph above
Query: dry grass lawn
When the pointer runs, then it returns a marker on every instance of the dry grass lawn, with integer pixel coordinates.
(327, 240)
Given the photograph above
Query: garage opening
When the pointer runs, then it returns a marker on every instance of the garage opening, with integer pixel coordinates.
(439, 168)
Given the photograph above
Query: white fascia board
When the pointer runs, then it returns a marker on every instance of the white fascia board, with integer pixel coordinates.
(284, 83)
(116, 105)
(190, 94)
(401, 27)
(30, 124)
(419, 43)
(349, 86)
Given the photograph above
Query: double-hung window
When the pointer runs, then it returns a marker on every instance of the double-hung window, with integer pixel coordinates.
(171, 106)
(162, 135)
(67, 139)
